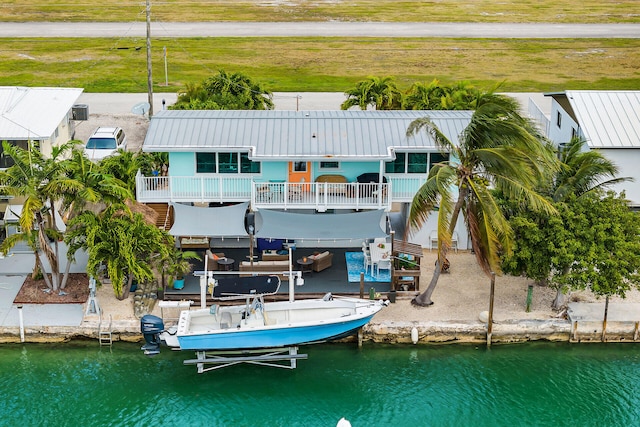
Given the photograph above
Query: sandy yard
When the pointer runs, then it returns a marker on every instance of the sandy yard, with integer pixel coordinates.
(461, 295)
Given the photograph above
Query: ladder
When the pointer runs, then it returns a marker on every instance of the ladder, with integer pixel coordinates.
(105, 332)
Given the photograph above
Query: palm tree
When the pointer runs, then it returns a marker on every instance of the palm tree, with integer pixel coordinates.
(380, 92)
(500, 149)
(41, 182)
(92, 189)
(582, 172)
(122, 242)
(436, 96)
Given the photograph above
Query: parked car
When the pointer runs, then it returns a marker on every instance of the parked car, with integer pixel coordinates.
(104, 142)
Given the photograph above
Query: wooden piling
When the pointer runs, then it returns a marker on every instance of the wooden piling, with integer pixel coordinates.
(491, 297)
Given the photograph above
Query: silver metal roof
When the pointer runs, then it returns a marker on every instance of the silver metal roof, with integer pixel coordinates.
(608, 119)
(303, 135)
(33, 112)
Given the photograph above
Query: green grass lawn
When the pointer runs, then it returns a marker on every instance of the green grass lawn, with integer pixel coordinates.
(323, 64)
(583, 11)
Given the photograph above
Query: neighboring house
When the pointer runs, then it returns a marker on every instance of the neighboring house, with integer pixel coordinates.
(40, 114)
(301, 161)
(609, 121)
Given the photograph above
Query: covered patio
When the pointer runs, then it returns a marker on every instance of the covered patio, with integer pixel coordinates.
(294, 228)
(334, 279)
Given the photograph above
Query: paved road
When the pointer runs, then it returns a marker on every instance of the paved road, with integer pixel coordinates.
(325, 29)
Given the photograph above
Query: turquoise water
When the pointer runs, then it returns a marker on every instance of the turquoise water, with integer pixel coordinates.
(537, 384)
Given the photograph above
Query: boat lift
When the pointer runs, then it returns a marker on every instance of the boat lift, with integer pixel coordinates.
(273, 357)
(278, 357)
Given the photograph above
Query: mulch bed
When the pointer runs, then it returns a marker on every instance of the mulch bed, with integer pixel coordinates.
(32, 291)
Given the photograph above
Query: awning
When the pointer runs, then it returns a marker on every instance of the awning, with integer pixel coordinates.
(227, 221)
(287, 225)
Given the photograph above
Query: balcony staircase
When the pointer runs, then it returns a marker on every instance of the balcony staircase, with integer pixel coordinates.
(165, 215)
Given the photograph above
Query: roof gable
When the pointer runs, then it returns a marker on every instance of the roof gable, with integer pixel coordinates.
(298, 134)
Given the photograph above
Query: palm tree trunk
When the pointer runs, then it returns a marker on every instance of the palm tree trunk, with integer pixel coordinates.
(424, 299)
(65, 276)
(43, 241)
(40, 266)
(126, 289)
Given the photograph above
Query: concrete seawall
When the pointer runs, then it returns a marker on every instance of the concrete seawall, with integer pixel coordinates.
(516, 331)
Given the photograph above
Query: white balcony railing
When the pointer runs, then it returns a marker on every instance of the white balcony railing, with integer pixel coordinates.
(279, 195)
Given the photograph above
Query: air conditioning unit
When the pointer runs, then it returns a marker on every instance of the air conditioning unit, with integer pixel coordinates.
(80, 112)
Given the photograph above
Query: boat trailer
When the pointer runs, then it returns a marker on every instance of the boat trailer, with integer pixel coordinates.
(273, 357)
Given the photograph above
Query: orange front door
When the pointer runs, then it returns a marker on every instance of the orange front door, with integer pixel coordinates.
(299, 172)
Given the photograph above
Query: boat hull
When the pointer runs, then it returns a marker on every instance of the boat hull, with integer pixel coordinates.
(304, 324)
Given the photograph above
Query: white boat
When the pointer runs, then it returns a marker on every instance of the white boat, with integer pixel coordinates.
(258, 324)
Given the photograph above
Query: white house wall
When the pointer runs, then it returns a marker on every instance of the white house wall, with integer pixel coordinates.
(422, 237)
(562, 133)
(627, 160)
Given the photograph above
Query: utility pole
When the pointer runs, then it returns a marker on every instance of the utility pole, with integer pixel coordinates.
(149, 79)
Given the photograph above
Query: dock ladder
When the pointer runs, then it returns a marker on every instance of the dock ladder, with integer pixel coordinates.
(105, 331)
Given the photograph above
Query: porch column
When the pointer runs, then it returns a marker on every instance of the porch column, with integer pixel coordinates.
(380, 179)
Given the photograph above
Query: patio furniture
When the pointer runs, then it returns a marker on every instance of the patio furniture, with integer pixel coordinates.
(192, 242)
(226, 264)
(265, 267)
(367, 261)
(274, 255)
(370, 178)
(433, 240)
(321, 261)
(212, 262)
(336, 184)
(383, 264)
(379, 252)
(305, 264)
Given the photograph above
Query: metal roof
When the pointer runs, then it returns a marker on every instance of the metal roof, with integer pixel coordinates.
(608, 119)
(303, 135)
(33, 112)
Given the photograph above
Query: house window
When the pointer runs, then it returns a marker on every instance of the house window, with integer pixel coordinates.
(417, 162)
(574, 133)
(414, 162)
(435, 158)
(228, 162)
(396, 166)
(206, 163)
(329, 165)
(225, 163)
(299, 166)
(559, 120)
(247, 165)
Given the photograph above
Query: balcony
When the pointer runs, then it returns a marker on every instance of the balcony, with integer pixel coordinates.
(276, 195)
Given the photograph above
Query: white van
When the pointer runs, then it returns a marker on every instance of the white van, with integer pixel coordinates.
(104, 142)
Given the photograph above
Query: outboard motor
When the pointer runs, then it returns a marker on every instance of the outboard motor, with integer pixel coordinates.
(151, 326)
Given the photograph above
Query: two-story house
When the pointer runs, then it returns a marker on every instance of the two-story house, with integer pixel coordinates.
(313, 162)
(609, 121)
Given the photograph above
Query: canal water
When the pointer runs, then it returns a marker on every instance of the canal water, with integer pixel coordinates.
(535, 384)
